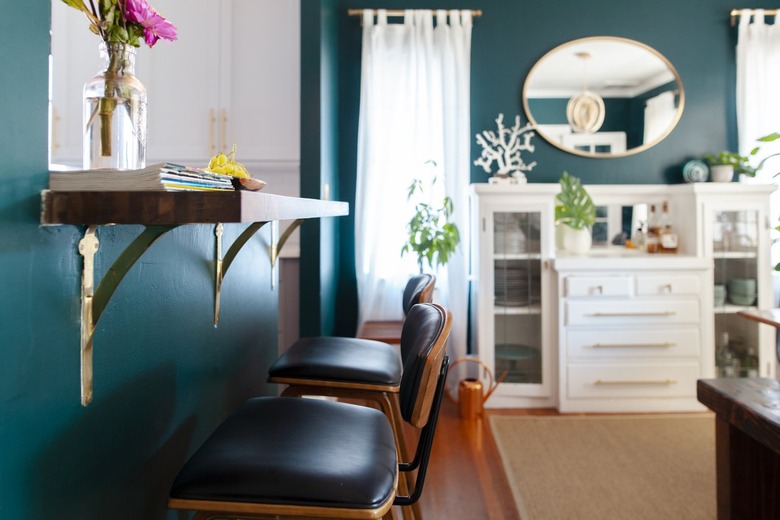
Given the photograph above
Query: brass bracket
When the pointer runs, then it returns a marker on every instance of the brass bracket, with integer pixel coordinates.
(222, 264)
(276, 248)
(94, 301)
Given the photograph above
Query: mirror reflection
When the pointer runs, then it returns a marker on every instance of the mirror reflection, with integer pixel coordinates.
(603, 97)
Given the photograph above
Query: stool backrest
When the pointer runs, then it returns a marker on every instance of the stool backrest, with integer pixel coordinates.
(419, 289)
(423, 341)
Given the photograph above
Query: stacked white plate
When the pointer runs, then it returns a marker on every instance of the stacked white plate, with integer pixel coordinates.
(514, 287)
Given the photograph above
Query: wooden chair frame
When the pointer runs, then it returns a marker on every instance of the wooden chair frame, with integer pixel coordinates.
(424, 416)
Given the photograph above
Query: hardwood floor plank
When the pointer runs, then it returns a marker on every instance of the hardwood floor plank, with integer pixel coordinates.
(466, 479)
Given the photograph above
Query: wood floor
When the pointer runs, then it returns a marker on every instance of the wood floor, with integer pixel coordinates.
(465, 479)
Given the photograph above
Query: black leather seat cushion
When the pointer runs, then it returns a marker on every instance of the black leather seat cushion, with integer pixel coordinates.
(340, 359)
(288, 450)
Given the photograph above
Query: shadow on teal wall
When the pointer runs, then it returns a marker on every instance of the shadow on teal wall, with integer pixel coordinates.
(164, 375)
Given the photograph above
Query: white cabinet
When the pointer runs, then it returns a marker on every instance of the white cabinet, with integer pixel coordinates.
(632, 333)
(74, 60)
(618, 330)
(232, 76)
(736, 235)
(513, 309)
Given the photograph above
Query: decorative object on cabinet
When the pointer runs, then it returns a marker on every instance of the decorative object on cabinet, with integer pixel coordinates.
(575, 213)
(505, 148)
(651, 81)
(114, 99)
(432, 237)
(695, 170)
(725, 164)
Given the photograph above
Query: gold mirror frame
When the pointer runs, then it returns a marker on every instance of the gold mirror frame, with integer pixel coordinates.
(602, 39)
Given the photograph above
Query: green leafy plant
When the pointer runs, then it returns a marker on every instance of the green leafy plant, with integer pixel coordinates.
(741, 163)
(432, 237)
(575, 208)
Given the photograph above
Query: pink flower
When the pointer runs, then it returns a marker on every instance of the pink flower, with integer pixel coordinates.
(155, 26)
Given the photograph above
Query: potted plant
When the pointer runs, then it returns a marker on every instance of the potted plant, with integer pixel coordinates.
(432, 236)
(575, 213)
(725, 164)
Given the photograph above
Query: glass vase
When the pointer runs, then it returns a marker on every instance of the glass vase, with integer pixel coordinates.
(115, 112)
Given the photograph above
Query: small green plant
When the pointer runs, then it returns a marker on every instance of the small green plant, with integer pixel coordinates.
(741, 163)
(432, 237)
(575, 208)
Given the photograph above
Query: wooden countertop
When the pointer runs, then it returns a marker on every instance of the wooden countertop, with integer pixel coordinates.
(750, 404)
(183, 207)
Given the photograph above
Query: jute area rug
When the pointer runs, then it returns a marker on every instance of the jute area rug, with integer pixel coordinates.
(627, 467)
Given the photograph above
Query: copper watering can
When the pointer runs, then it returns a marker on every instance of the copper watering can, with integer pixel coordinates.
(471, 394)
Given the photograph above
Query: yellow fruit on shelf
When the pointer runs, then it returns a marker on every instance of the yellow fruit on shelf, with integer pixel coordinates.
(226, 164)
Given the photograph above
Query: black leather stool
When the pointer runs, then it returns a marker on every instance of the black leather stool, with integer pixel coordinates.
(311, 458)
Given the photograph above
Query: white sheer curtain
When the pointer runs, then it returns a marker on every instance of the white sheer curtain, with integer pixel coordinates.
(414, 123)
(758, 102)
(758, 88)
(659, 114)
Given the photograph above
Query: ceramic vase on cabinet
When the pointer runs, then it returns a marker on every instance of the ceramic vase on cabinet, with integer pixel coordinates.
(721, 173)
(576, 241)
(115, 112)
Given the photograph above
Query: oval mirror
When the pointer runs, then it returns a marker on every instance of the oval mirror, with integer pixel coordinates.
(603, 96)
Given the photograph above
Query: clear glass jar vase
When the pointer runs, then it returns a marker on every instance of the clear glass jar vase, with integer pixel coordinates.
(115, 112)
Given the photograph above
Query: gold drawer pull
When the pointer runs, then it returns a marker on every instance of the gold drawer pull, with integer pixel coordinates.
(638, 382)
(633, 345)
(622, 314)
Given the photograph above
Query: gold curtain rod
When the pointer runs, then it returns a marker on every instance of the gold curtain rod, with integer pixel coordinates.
(400, 12)
(735, 13)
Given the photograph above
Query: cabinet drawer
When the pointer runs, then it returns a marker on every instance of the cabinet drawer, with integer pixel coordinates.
(632, 312)
(598, 286)
(667, 285)
(657, 342)
(631, 381)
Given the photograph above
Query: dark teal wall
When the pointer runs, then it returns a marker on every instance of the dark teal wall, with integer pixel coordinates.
(508, 39)
(164, 375)
(319, 164)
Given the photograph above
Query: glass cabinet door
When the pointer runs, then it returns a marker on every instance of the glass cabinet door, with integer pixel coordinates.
(737, 278)
(517, 283)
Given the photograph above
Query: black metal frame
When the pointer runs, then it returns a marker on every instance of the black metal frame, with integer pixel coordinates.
(425, 443)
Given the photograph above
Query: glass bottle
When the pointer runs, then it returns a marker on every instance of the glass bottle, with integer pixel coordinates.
(115, 112)
(651, 239)
(667, 237)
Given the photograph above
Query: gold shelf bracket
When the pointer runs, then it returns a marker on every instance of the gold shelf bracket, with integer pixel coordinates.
(94, 301)
(276, 248)
(223, 263)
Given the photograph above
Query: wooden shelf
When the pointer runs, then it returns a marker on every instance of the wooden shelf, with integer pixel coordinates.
(171, 208)
(159, 212)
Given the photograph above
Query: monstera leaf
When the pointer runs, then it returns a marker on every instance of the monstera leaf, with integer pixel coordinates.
(575, 208)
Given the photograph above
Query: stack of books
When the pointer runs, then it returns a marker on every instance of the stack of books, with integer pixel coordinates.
(156, 177)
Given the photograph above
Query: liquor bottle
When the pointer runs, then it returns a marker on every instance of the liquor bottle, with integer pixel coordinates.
(667, 237)
(639, 238)
(651, 239)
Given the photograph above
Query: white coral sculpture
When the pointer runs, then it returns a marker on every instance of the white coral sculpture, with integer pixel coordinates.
(504, 148)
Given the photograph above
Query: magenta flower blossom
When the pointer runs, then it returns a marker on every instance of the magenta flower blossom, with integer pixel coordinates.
(154, 25)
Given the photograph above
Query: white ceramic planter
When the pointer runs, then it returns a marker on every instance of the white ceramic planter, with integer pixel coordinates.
(721, 173)
(576, 241)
